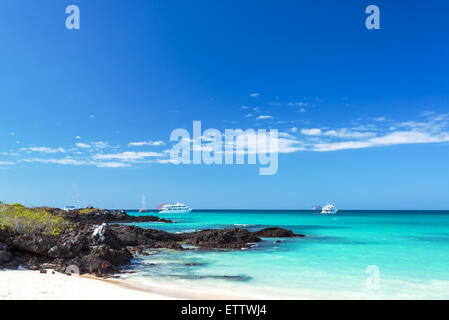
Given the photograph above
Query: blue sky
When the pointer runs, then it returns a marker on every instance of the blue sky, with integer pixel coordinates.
(363, 114)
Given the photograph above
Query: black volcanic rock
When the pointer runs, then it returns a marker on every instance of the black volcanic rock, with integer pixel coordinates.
(4, 234)
(135, 236)
(104, 260)
(98, 216)
(276, 233)
(152, 238)
(101, 249)
(95, 250)
(5, 253)
(234, 238)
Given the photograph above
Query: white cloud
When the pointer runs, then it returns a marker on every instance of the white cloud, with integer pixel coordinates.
(165, 161)
(346, 133)
(395, 138)
(77, 162)
(92, 145)
(146, 143)
(83, 145)
(254, 95)
(63, 161)
(297, 104)
(432, 129)
(302, 110)
(99, 144)
(244, 107)
(127, 156)
(283, 142)
(311, 132)
(440, 117)
(43, 150)
(427, 113)
(77, 137)
(338, 133)
(112, 165)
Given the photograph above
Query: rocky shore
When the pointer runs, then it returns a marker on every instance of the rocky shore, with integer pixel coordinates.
(102, 249)
(98, 216)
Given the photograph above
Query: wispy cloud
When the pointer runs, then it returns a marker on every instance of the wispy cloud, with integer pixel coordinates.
(433, 130)
(43, 150)
(83, 145)
(112, 164)
(338, 133)
(99, 144)
(429, 128)
(146, 143)
(297, 104)
(311, 132)
(62, 161)
(77, 162)
(166, 161)
(395, 138)
(127, 156)
(254, 95)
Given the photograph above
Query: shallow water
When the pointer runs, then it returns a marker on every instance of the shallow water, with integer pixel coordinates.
(409, 249)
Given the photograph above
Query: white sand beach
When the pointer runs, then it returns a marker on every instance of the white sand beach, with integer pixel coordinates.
(33, 285)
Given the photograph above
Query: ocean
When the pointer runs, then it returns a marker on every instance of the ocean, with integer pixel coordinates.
(351, 255)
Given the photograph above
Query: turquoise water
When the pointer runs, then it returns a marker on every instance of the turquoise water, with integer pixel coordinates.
(410, 250)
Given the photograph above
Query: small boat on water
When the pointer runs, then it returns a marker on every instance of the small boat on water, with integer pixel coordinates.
(175, 208)
(329, 209)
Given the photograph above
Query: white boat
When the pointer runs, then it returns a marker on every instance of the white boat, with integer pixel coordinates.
(329, 209)
(175, 208)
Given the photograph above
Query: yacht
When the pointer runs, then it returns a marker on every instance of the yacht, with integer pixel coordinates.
(175, 208)
(329, 209)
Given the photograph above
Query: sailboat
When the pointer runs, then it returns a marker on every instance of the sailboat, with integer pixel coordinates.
(75, 201)
(144, 204)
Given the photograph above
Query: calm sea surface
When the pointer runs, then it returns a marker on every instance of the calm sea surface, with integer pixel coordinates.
(342, 256)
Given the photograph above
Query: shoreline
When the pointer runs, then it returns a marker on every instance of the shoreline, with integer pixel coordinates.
(33, 285)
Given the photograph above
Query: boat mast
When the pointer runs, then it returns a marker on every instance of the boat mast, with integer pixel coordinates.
(144, 202)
